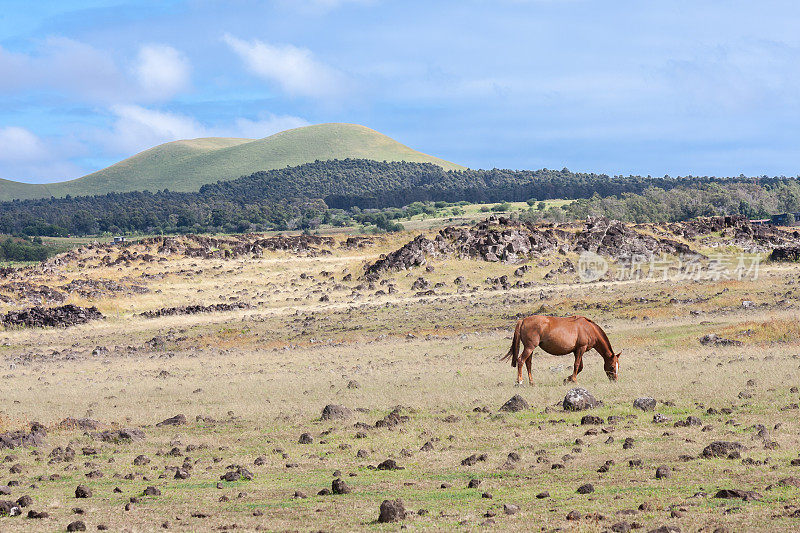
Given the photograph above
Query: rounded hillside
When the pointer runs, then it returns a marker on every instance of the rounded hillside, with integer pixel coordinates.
(189, 164)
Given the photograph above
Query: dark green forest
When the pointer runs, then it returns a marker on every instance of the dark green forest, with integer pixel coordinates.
(339, 192)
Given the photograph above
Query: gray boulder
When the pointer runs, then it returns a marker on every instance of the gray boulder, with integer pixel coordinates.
(579, 399)
(645, 404)
(336, 412)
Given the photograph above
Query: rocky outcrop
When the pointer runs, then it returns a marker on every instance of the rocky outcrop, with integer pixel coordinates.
(785, 253)
(33, 437)
(508, 241)
(194, 309)
(42, 317)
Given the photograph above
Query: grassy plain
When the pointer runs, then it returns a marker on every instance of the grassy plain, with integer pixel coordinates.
(251, 381)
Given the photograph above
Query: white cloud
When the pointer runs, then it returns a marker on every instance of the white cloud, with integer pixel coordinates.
(137, 128)
(25, 156)
(63, 65)
(162, 71)
(294, 69)
(19, 144)
(88, 74)
(256, 129)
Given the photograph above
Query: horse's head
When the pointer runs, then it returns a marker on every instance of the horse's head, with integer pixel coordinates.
(612, 366)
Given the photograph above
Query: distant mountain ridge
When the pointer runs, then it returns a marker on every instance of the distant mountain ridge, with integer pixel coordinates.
(185, 166)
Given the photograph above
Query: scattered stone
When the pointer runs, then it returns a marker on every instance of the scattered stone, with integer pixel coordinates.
(125, 435)
(82, 491)
(8, 508)
(514, 404)
(336, 412)
(746, 495)
(85, 424)
(389, 464)
(392, 511)
(392, 420)
(237, 473)
(338, 486)
(663, 472)
(579, 399)
(712, 339)
(510, 508)
(473, 459)
(177, 420)
(645, 404)
(77, 525)
(33, 438)
(586, 488)
(722, 449)
(305, 438)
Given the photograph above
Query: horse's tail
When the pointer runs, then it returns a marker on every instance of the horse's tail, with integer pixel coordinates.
(513, 352)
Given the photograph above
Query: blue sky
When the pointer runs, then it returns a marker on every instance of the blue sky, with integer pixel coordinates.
(660, 87)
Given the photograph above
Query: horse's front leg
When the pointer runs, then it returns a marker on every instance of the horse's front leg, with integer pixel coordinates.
(578, 366)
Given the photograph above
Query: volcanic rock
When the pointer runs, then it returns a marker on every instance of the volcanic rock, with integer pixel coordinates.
(336, 412)
(579, 399)
(514, 404)
(392, 511)
(645, 404)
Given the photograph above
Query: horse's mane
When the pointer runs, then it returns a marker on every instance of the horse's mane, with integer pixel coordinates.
(602, 333)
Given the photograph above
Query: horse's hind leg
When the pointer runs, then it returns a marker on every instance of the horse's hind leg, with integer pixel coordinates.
(528, 363)
(524, 357)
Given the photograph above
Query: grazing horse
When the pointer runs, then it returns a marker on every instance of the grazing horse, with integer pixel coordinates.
(559, 336)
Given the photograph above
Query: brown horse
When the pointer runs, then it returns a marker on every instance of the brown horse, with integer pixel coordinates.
(559, 336)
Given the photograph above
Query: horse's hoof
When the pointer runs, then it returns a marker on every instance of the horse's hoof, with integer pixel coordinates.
(518, 384)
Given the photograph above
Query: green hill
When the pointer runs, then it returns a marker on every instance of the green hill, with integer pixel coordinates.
(187, 165)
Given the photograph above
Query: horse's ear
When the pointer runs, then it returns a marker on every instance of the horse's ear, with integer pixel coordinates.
(618, 353)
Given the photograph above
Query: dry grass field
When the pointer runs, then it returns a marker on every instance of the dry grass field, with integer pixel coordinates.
(251, 381)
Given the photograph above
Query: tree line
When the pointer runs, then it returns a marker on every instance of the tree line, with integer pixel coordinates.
(339, 192)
